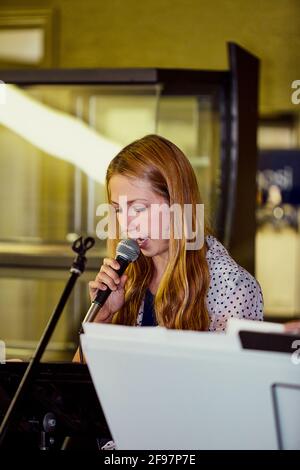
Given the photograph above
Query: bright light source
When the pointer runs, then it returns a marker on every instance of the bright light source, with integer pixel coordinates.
(57, 133)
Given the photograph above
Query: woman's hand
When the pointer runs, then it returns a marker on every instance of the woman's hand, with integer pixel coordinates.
(292, 327)
(108, 277)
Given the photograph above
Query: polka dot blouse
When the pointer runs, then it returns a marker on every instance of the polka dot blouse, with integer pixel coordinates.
(233, 292)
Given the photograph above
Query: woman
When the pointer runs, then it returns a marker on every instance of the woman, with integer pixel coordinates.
(169, 285)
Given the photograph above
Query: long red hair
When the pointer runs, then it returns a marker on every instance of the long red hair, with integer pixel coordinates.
(180, 301)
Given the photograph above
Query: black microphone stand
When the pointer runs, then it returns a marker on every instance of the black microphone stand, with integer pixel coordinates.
(80, 246)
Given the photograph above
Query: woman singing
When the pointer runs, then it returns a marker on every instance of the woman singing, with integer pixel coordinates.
(170, 284)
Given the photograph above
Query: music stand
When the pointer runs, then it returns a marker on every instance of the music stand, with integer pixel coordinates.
(286, 404)
(264, 341)
(61, 409)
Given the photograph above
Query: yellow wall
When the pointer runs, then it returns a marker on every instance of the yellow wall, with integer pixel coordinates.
(181, 33)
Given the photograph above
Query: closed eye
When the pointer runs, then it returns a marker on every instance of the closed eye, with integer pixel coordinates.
(139, 209)
(132, 208)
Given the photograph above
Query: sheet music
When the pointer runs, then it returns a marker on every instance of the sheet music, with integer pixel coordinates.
(165, 389)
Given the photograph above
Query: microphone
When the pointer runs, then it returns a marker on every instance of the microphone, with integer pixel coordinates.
(127, 251)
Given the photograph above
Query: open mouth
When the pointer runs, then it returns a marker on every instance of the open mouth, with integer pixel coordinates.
(142, 242)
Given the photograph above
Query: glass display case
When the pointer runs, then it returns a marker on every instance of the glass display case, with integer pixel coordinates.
(59, 129)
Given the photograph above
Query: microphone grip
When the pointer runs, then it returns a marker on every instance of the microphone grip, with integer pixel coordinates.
(102, 295)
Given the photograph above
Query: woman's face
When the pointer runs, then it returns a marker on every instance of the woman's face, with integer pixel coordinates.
(142, 214)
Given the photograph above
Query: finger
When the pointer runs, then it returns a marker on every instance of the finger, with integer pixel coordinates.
(111, 262)
(95, 285)
(95, 288)
(106, 279)
(111, 273)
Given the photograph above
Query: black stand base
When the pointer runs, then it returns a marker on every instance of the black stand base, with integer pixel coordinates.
(61, 410)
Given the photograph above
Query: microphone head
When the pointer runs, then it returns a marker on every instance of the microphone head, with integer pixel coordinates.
(128, 249)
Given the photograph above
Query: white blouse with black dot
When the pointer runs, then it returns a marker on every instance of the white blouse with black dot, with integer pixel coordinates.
(233, 292)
